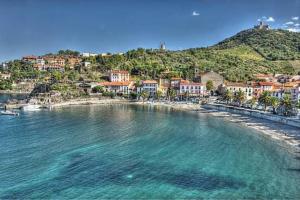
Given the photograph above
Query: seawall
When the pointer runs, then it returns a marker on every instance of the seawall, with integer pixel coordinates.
(255, 113)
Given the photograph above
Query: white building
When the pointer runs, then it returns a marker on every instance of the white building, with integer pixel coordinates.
(118, 76)
(150, 86)
(88, 54)
(246, 88)
(192, 89)
(124, 87)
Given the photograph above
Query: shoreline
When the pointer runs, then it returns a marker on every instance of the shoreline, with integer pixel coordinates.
(285, 136)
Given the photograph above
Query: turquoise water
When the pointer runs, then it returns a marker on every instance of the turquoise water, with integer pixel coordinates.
(126, 151)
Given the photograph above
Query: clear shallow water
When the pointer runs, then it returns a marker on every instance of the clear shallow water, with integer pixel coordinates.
(5, 97)
(125, 151)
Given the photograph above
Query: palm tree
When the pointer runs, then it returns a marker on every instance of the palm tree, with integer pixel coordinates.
(240, 97)
(172, 94)
(286, 102)
(144, 95)
(253, 101)
(274, 103)
(228, 96)
(158, 94)
(265, 98)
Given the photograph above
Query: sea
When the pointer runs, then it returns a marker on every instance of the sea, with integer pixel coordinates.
(139, 152)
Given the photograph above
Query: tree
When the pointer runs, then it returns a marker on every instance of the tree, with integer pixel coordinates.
(265, 99)
(286, 103)
(144, 95)
(209, 85)
(56, 76)
(98, 89)
(240, 97)
(159, 94)
(253, 102)
(274, 103)
(172, 94)
(228, 96)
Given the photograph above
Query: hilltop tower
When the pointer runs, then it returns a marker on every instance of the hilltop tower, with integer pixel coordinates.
(162, 46)
(262, 26)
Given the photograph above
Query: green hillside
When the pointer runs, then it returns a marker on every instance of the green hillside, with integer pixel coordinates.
(238, 58)
(271, 44)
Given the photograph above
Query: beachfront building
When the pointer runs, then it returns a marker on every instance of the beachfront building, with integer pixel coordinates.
(119, 88)
(164, 85)
(118, 76)
(290, 88)
(260, 87)
(150, 86)
(191, 88)
(246, 88)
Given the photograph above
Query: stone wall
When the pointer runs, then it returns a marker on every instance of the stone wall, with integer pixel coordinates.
(292, 121)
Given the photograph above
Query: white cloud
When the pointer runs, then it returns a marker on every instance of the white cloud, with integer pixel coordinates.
(295, 18)
(195, 13)
(297, 25)
(289, 23)
(294, 29)
(270, 19)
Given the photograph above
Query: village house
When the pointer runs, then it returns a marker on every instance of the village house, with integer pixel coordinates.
(191, 88)
(54, 63)
(4, 76)
(150, 86)
(124, 87)
(164, 85)
(88, 55)
(260, 87)
(73, 61)
(175, 83)
(265, 77)
(246, 88)
(291, 88)
(118, 75)
(29, 59)
(40, 64)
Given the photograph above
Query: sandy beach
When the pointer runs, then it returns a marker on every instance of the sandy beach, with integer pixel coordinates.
(286, 136)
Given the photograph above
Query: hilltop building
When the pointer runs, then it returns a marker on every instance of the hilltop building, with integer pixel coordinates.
(262, 26)
(162, 46)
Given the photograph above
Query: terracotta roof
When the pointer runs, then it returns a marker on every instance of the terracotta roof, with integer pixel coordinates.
(149, 82)
(266, 83)
(123, 83)
(237, 84)
(30, 57)
(185, 82)
(175, 79)
(119, 71)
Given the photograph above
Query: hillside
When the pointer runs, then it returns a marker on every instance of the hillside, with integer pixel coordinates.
(271, 44)
(237, 58)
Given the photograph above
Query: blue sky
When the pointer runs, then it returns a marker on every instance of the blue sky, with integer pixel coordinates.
(43, 26)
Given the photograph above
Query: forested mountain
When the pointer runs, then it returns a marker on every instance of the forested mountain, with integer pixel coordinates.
(238, 58)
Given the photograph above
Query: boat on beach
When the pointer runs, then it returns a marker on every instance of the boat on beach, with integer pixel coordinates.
(7, 112)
